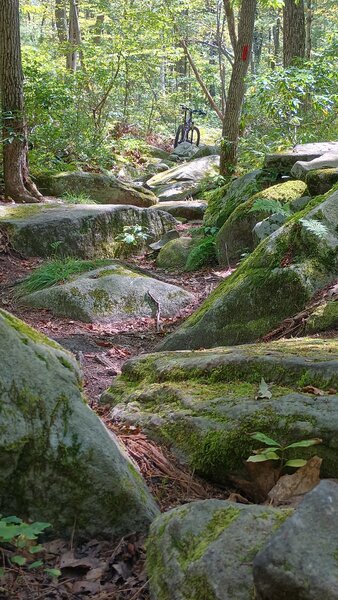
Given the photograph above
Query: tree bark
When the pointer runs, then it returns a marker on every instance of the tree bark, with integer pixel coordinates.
(235, 96)
(74, 37)
(61, 21)
(293, 31)
(308, 37)
(18, 185)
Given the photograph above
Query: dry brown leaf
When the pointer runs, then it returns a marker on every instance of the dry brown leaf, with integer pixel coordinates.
(311, 389)
(297, 484)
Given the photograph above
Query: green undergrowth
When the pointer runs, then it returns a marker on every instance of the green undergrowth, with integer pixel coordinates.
(202, 254)
(55, 271)
(79, 198)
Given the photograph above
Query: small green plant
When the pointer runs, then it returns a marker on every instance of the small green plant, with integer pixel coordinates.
(202, 254)
(79, 198)
(55, 271)
(18, 545)
(131, 237)
(315, 227)
(275, 451)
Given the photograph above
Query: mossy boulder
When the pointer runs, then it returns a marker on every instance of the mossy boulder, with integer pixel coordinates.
(184, 180)
(223, 201)
(275, 282)
(323, 318)
(329, 160)
(104, 189)
(58, 461)
(203, 404)
(113, 292)
(284, 567)
(236, 236)
(174, 254)
(85, 231)
(321, 181)
(204, 550)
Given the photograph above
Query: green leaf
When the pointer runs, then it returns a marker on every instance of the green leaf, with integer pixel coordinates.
(53, 572)
(15, 520)
(255, 458)
(257, 435)
(305, 443)
(35, 549)
(35, 565)
(2, 572)
(18, 560)
(271, 455)
(297, 462)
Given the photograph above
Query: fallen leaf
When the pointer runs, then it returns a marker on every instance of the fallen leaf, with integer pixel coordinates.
(297, 484)
(263, 391)
(311, 389)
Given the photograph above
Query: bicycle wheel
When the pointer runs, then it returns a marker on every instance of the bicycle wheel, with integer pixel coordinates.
(194, 136)
(179, 135)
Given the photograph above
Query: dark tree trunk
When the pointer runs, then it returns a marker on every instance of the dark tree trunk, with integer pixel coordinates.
(309, 17)
(293, 31)
(18, 184)
(276, 42)
(233, 111)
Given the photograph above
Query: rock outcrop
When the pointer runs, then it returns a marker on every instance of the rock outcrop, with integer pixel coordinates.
(58, 461)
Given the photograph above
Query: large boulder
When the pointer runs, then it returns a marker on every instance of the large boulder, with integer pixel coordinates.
(223, 201)
(191, 210)
(300, 559)
(236, 235)
(174, 254)
(204, 550)
(58, 461)
(329, 160)
(184, 180)
(81, 230)
(204, 404)
(321, 181)
(113, 292)
(184, 151)
(274, 282)
(281, 163)
(104, 189)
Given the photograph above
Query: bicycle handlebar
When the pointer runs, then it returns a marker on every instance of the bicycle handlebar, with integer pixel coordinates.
(197, 111)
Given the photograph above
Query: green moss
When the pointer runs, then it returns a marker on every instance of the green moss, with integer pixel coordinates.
(103, 303)
(193, 548)
(24, 211)
(28, 332)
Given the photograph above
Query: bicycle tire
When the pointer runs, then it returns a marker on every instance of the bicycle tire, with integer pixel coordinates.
(179, 135)
(190, 136)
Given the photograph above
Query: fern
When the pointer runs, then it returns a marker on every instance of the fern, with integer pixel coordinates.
(203, 254)
(314, 227)
(270, 206)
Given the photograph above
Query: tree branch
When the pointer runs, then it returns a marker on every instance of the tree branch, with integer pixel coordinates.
(229, 11)
(201, 82)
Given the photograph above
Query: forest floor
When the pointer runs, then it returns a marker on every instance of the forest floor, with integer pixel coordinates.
(100, 570)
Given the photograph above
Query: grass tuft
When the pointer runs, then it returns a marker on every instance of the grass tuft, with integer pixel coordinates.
(56, 271)
(79, 198)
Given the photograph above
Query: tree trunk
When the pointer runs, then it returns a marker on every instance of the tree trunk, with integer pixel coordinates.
(74, 37)
(309, 17)
(18, 185)
(61, 21)
(235, 96)
(293, 31)
(276, 42)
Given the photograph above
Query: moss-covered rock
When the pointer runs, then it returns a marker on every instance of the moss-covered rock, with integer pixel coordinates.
(184, 180)
(112, 292)
(236, 235)
(204, 550)
(323, 318)
(223, 201)
(203, 404)
(321, 181)
(58, 462)
(174, 254)
(192, 210)
(85, 231)
(275, 282)
(104, 189)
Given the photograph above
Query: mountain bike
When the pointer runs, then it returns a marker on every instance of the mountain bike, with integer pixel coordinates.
(188, 132)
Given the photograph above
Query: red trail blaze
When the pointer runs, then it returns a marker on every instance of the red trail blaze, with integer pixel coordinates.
(245, 52)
